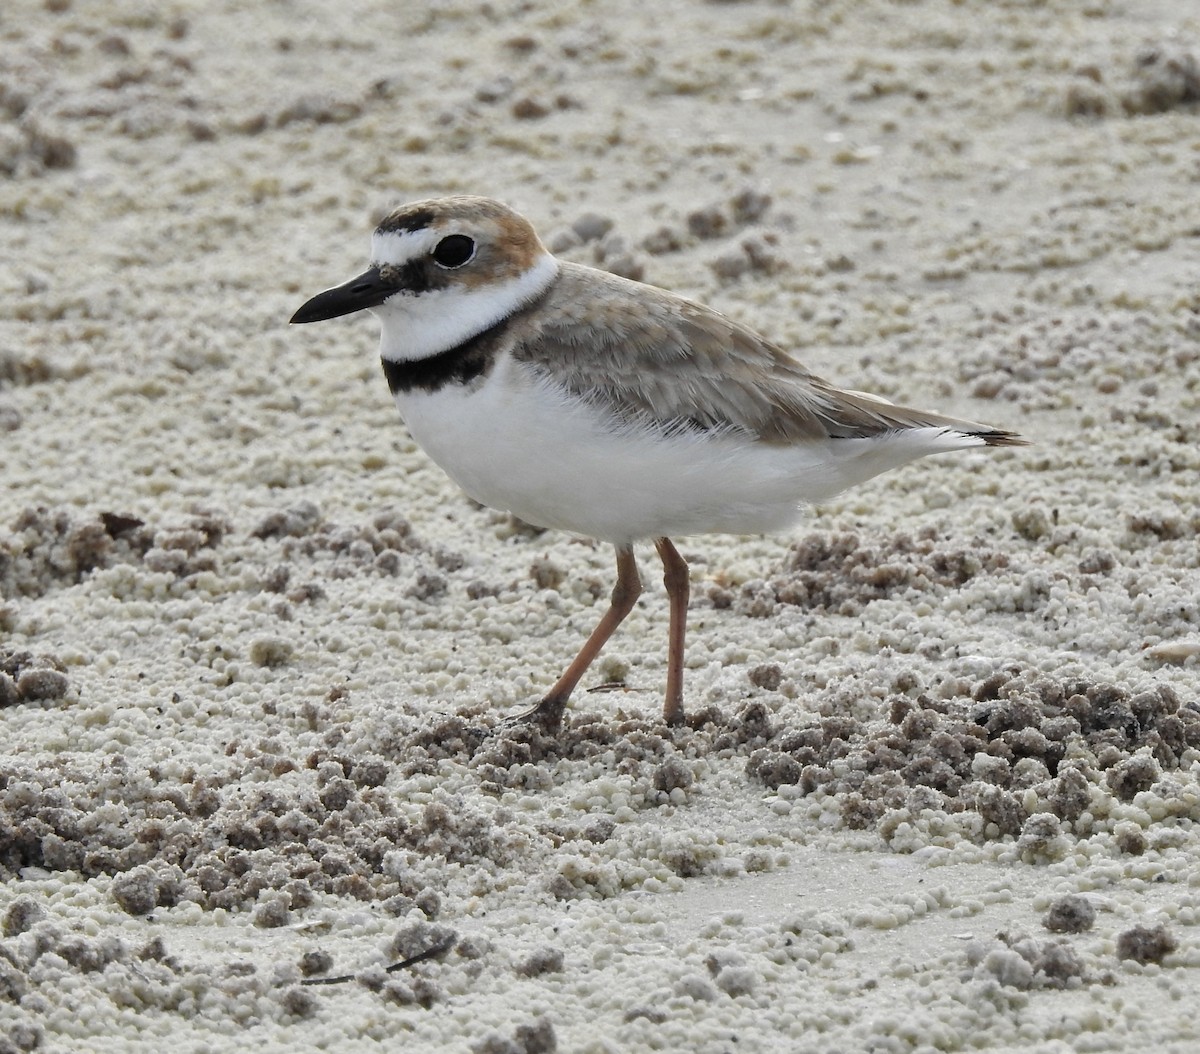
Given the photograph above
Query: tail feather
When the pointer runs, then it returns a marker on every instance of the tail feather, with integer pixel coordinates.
(999, 437)
(849, 414)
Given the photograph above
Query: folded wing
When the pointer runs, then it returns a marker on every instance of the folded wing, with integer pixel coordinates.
(670, 363)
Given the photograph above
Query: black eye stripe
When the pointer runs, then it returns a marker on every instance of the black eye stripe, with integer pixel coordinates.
(454, 250)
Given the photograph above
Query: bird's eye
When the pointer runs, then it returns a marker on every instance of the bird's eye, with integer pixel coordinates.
(454, 250)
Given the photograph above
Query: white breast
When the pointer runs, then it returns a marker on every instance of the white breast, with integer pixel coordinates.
(519, 443)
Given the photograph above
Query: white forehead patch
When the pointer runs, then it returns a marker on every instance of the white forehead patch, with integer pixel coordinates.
(398, 247)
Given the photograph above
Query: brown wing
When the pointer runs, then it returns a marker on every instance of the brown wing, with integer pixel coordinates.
(677, 364)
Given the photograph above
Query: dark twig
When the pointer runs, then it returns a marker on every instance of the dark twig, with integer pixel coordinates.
(403, 964)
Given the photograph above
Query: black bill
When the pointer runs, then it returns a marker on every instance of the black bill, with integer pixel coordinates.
(361, 292)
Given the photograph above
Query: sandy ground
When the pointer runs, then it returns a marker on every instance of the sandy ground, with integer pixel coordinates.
(941, 785)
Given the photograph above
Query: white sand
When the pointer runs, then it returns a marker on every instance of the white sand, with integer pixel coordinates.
(258, 752)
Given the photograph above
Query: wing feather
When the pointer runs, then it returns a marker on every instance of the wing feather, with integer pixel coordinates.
(676, 364)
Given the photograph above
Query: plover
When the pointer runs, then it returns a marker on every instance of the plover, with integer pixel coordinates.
(585, 402)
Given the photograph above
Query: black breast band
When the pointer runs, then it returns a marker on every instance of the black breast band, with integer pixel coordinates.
(461, 364)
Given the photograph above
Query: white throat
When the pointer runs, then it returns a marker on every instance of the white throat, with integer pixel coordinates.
(418, 325)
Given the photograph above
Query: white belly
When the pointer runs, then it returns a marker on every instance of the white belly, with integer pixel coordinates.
(520, 444)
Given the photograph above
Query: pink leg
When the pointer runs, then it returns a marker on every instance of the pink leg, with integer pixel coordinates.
(624, 595)
(675, 578)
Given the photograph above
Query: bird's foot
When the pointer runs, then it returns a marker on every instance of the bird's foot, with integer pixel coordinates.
(545, 717)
